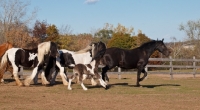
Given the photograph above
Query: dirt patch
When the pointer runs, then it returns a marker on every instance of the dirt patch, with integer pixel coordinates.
(158, 91)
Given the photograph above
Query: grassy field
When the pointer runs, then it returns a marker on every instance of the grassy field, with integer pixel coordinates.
(158, 92)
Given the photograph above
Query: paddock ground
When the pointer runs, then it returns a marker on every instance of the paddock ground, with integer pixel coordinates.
(158, 92)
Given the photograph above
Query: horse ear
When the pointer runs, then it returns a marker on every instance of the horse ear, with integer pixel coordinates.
(163, 39)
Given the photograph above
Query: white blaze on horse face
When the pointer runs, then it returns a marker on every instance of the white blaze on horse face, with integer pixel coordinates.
(32, 56)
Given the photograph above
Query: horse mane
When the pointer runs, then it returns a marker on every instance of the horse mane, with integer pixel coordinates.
(84, 50)
(148, 43)
(43, 49)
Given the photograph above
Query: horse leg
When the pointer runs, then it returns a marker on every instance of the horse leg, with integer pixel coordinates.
(70, 82)
(62, 74)
(64, 78)
(104, 73)
(52, 71)
(1, 75)
(28, 80)
(138, 78)
(35, 79)
(140, 67)
(102, 82)
(3, 69)
(145, 74)
(44, 80)
(94, 83)
(81, 81)
(20, 73)
(15, 74)
(53, 80)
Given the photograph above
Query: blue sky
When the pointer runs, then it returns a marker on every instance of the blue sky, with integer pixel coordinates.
(156, 18)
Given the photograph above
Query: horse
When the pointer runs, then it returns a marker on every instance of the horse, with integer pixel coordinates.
(3, 48)
(133, 58)
(84, 70)
(20, 58)
(84, 56)
(47, 54)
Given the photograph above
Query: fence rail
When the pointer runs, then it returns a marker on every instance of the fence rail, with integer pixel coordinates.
(170, 65)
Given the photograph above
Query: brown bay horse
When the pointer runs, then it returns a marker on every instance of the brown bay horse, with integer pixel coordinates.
(3, 48)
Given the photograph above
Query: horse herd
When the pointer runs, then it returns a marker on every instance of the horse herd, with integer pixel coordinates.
(47, 60)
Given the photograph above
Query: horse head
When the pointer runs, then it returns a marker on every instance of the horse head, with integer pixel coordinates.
(160, 46)
(98, 50)
(54, 50)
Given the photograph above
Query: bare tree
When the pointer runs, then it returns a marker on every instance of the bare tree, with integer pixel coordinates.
(65, 30)
(192, 30)
(12, 12)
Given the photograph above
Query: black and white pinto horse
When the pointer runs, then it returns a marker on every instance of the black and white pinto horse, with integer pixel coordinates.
(84, 70)
(84, 56)
(20, 58)
(130, 59)
(47, 54)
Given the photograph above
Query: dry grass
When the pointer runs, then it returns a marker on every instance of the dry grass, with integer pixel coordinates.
(158, 92)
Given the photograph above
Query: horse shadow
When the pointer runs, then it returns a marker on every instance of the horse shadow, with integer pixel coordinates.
(6, 81)
(144, 86)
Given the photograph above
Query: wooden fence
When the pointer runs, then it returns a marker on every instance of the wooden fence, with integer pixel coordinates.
(169, 65)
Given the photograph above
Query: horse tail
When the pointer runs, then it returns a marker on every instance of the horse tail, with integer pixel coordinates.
(4, 59)
(43, 49)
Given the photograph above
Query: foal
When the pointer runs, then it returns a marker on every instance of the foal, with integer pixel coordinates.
(83, 70)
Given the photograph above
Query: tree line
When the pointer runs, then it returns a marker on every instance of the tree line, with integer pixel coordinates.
(15, 27)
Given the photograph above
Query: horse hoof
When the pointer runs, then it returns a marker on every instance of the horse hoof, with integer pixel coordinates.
(107, 87)
(85, 89)
(65, 84)
(20, 84)
(138, 85)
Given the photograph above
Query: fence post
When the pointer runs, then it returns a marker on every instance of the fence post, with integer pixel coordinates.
(146, 69)
(119, 73)
(171, 67)
(194, 67)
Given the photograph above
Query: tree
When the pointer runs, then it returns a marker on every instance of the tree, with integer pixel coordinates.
(52, 33)
(40, 29)
(104, 35)
(120, 40)
(121, 36)
(20, 37)
(12, 12)
(192, 30)
(65, 30)
(142, 38)
(119, 29)
(80, 41)
(65, 41)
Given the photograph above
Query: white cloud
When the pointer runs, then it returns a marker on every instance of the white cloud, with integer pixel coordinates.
(91, 1)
